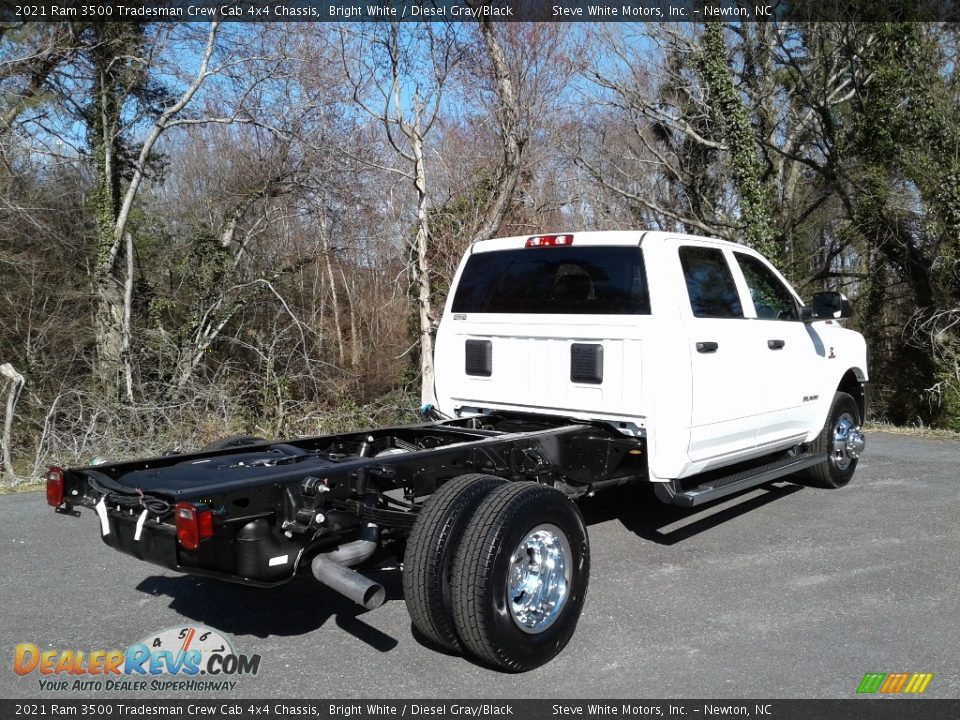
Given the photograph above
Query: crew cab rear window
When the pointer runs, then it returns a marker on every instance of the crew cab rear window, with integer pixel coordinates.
(710, 285)
(555, 280)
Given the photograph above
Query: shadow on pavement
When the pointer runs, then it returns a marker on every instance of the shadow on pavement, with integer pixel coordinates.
(642, 514)
(297, 608)
(303, 605)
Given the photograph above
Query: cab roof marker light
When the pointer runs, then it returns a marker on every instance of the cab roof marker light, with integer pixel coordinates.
(549, 241)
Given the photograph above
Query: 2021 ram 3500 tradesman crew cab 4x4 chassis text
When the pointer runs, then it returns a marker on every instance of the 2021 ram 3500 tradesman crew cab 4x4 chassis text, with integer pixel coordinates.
(565, 364)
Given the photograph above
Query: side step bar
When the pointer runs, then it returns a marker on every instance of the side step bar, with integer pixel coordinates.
(728, 485)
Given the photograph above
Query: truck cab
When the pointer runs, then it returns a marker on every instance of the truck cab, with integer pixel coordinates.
(698, 345)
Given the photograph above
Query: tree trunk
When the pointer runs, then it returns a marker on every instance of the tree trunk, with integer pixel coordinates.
(108, 324)
(512, 136)
(334, 299)
(356, 347)
(112, 88)
(126, 357)
(422, 272)
(733, 126)
(109, 320)
(13, 395)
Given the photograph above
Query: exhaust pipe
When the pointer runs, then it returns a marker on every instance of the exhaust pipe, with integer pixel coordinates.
(349, 583)
(333, 570)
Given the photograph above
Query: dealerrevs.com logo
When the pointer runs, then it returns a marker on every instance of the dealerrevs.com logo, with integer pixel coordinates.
(181, 659)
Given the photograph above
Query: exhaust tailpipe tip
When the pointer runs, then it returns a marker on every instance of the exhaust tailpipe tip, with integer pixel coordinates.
(349, 583)
(374, 597)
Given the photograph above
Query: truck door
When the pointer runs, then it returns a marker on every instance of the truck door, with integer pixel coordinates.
(726, 396)
(785, 354)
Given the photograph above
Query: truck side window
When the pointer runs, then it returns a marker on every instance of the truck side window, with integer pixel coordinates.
(710, 285)
(770, 298)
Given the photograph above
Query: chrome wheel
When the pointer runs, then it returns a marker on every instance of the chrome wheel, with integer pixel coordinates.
(538, 581)
(847, 442)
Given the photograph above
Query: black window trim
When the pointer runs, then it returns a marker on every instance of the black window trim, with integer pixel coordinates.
(793, 297)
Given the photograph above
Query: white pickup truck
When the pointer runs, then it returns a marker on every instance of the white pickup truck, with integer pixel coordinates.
(565, 364)
(698, 345)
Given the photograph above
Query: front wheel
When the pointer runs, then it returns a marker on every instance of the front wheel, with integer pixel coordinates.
(841, 440)
(520, 577)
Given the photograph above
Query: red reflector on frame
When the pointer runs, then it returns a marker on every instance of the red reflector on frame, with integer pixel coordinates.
(193, 525)
(188, 533)
(205, 524)
(54, 487)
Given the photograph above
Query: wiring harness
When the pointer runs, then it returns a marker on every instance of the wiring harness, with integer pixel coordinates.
(136, 499)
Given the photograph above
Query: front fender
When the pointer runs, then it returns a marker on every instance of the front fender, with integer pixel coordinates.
(844, 365)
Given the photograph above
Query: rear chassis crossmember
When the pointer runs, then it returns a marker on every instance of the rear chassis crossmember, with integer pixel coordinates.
(275, 506)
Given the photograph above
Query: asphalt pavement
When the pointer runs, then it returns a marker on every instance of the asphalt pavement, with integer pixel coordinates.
(784, 592)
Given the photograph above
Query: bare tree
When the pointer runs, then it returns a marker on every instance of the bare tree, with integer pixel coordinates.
(138, 93)
(512, 130)
(671, 148)
(30, 61)
(399, 73)
(940, 331)
(115, 76)
(265, 180)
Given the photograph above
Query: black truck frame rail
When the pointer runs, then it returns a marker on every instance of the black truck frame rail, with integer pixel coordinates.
(258, 513)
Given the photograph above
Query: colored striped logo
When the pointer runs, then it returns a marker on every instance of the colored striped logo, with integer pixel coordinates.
(893, 683)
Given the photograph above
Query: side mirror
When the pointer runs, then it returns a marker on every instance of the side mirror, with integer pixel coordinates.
(827, 305)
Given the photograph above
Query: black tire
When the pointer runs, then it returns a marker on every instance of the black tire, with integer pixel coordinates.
(428, 558)
(233, 441)
(834, 472)
(484, 616)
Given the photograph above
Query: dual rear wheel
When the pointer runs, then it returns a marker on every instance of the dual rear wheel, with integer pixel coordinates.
(497, 570)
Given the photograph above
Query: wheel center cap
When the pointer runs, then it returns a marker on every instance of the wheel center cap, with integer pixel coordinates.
(855, 443)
